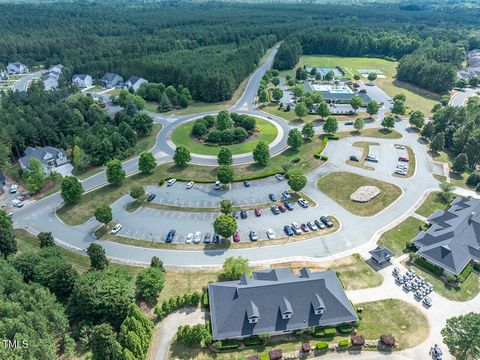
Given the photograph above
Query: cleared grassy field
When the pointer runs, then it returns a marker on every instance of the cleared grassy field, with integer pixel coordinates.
(182, 137)
(417, 99)
(340, 185)
(302, 158)
(396, 239)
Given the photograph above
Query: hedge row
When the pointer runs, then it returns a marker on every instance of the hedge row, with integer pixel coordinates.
(252, 341)
(227, 344)
(345, 329)
(318, 154)
(321, 345)
(176, 303)
(343, 343)
(430, 267)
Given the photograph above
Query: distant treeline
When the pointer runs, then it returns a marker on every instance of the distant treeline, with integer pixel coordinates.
(212, 47)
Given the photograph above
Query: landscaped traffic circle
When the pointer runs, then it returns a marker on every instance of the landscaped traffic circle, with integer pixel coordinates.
(265, 131)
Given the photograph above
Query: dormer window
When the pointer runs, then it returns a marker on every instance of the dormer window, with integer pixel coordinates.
(286, 316)
(253, 320)
(252, 313)
(286, 309)
(318, 305)
(319, 311)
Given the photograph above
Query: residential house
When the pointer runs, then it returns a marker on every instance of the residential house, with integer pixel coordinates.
(111, 80)
(16, 68)
(134, 82)
(82, 81)
(276, 301)
(453, 239)
(51, 77)
(50, 157)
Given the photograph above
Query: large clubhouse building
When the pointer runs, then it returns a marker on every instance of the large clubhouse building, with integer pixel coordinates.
(276, 301)
(453, 239)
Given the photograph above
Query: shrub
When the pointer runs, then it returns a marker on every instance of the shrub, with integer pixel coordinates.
(330, 331)
(358, 340)
(345, 329)
(474, 178)
(476, 267)
(343, 343)
(430, 267)
(465, 273)
(387, 340)
(227, 344)
(295, 160)
(333, 137)
(252, 341)
(275, 354)
(324, 157)
(321, 345)
(317, 155)
(161, 182)
(264, 356)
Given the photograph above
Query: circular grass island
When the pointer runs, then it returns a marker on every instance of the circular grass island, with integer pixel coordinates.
(182, 136)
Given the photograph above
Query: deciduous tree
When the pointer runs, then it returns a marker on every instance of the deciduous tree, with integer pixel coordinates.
(331, 125)
(182, 156)
(115, 172)
(234, 267)
(225, 174)
(45, 239)
(71, 190)
(261, 153)
(225, 225)
(98, 258)
(461, 335)
(295, 139)
(308, 131)
(224, 156)
(146, 162)
(103, 214)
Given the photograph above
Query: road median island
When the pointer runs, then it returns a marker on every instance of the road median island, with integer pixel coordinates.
(365, 146)
(378, 133)
(224, 244)
(412, 163)
(340, 185)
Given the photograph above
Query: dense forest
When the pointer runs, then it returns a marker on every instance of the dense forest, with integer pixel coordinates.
(210, 48)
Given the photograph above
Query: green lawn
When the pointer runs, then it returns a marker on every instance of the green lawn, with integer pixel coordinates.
(340, 185)
(396, 239)
(302, 159)
(447, 156)
(182, 137)
(432, 203)
(28, 242)
(404, 321)
(467, 291)
(379, 133)
(417, 99)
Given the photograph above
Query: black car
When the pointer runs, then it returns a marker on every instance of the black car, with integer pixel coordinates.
(246, 184)
(243, 214)
(354, 158)
(275, 210)
(288, 230)
(288, 205)
(151, 197)
(170, 236)
(272, 197)
(326, 221)
(216, 238)
(235, 214)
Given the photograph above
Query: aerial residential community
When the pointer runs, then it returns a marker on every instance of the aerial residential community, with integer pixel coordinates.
(247, 180)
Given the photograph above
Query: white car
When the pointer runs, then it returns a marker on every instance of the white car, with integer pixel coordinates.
(271, 234)
(400, 172)
(400, 147)
(279, 177)
(296, 228)
(197, 237)
(217, 185)
(116, 229)
(13, 188)
(171, 182)
(17, 203)
(190, 184)
(189, 238)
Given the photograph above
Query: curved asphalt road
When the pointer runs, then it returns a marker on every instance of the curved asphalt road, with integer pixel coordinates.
(356, 231)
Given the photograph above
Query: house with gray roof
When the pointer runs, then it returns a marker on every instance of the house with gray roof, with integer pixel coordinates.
(134, 82)
(16, 68)
(48, 156)
(51, 77)
(112, 80)
(276, 301)
(82, 80)
(453, 239)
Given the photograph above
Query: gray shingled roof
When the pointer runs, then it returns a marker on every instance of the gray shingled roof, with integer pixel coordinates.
(453, 240)
(133, 79)
(271, 293)
(381, 254)
(40, 154)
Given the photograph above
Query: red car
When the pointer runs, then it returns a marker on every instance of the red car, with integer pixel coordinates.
(305, 228)
(282, 208)
(403, 158)
(236, 236)
(258, 212)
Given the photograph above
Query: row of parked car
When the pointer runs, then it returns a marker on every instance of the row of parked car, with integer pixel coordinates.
(410, 281)
(312, 225)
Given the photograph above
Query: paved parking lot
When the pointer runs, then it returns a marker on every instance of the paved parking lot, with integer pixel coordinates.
(204, 195)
